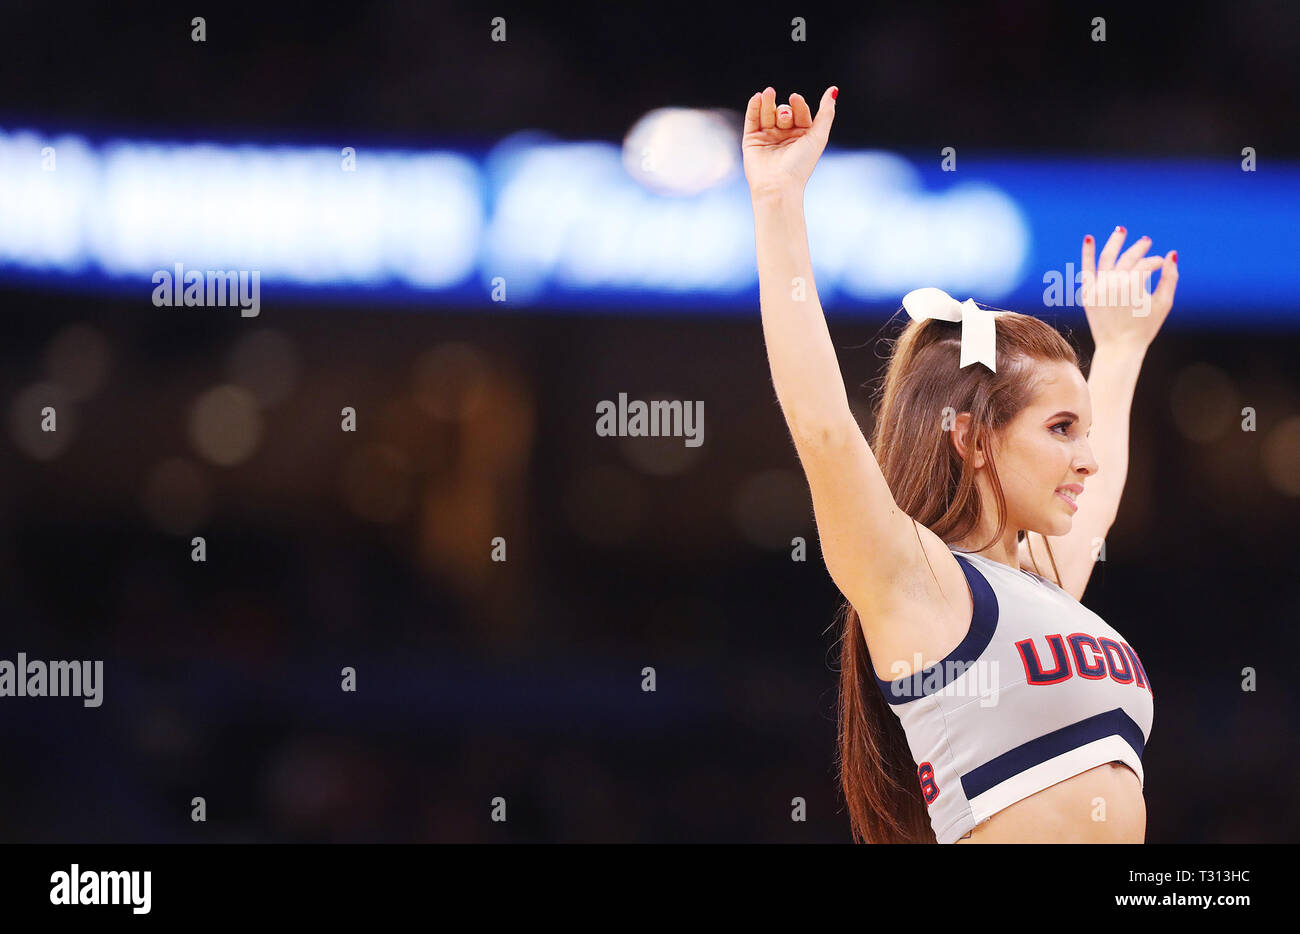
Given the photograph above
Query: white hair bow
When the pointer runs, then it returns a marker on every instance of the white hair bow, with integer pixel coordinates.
(978, 337)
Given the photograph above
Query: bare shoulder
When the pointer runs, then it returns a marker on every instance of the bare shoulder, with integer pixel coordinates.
(937, 564)
(930, 614)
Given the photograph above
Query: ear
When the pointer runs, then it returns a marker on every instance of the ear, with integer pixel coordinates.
(960, 439)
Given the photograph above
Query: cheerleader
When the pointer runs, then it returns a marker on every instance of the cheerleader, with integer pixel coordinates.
(979, 701)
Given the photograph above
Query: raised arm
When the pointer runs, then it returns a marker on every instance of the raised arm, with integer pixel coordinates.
(1124, 319)
(1111, 382)
(866, 539)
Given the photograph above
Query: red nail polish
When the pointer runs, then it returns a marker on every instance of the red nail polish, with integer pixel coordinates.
(1088, 239)
(1174, 256)
(835, 93)
(1122, 229)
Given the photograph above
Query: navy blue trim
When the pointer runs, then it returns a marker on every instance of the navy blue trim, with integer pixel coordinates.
(984, 622)
(1011, 763)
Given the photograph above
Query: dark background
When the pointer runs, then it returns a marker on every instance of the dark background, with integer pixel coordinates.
(522, 679)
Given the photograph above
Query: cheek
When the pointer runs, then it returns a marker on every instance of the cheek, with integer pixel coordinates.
(1049, 465)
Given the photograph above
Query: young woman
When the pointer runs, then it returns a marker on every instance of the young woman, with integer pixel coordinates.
(979, 700)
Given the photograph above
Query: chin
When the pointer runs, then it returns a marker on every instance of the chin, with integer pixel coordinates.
(1060, 525)
(1053, 525)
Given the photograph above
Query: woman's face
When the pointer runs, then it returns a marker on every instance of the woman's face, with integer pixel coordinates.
(1044, 456)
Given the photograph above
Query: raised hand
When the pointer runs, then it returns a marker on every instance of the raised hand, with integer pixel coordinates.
(781, 144)
(1118, 306)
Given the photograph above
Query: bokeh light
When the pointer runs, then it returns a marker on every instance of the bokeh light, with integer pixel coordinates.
(266, 363)
(225, 426)
(1204, 402)
(771, 507)
(26, 419)
(1280, 456)
(451, 380)
(79, 359)
(683, 151)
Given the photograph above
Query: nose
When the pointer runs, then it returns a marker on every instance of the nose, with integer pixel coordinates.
(1084, 462)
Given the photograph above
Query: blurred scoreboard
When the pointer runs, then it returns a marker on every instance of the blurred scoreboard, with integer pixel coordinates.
(660, 222)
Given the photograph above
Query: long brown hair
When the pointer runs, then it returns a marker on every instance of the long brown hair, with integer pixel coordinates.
(936, 487)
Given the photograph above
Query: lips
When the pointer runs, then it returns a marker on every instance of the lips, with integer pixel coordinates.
(1070, 493)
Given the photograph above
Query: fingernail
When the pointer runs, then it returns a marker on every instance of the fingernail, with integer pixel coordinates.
(1088, 239)
(835, 93)
(1121, 230)
(1174, 256)
(1144, 237)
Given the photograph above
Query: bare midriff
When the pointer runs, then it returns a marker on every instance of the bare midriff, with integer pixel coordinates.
(1101, 805)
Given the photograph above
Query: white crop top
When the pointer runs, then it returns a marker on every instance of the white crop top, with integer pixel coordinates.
(1040, 689)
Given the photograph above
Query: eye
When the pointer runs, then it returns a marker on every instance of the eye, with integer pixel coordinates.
(1065, 424)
